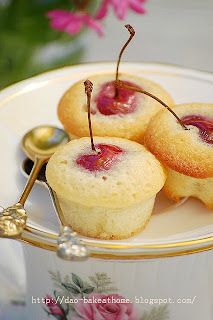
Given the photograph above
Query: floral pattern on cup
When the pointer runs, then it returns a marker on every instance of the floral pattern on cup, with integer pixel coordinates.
(106, 307)
(54, 308)
(95, 298)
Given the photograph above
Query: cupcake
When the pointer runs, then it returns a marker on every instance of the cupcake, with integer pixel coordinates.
(187, 154)
(125, 114)
(108, 193)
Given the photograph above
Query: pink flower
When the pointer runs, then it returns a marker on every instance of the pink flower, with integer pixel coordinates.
(120, 7)
(54, 309)
(104, 307)
(72, 23)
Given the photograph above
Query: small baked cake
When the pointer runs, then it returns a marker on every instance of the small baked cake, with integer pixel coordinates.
(188, 154)
(107, 194)
(124, 114)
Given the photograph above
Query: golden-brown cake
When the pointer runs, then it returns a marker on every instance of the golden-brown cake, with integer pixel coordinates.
(126, 115)
(107, 194)
(188, 154)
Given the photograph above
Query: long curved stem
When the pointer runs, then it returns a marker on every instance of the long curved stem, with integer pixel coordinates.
(88, 90)
(132, 33)
(120, 83)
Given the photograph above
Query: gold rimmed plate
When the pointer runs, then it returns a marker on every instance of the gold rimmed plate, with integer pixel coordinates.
(173, 230)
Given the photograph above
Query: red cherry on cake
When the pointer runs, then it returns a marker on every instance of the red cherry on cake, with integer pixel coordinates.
(110, 102)
(204, 125)
(113, 100)
(104, 159)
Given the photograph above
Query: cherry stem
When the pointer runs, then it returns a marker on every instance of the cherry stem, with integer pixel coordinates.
(88, 90)
(120, 83)
(132, 33)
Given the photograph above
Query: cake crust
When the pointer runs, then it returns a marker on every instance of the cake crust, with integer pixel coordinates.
(107, 223)
(178, 186)
(181, 150)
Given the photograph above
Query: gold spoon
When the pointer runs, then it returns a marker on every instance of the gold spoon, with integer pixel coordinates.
(26, 168)
(69, 246)
(39, 144)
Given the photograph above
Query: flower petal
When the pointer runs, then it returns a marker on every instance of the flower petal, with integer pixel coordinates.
(136, 5)
(58, 19)
(74, 26)
(91, 23)
(103, 10)
(65, 21)
(120, 8)
(57, 13)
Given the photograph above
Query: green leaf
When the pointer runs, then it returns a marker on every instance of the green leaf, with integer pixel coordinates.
(88, 290)
(25, 30)
(72, 288)
(77, 280)
(102, 283)
(55, 276)
(156, 313)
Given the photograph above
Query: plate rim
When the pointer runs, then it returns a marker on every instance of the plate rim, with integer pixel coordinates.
(178, 68)
(98, 249)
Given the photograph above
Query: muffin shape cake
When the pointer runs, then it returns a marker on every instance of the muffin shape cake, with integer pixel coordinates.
(125, 114)
(107, 194)
(188, 154)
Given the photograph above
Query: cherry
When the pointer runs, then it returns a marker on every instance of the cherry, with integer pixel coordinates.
(204, 125)
(123, 102)
(113, 100)
(104, 159)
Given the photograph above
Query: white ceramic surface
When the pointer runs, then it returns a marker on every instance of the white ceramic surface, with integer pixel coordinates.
(34, 101)
(168, 288)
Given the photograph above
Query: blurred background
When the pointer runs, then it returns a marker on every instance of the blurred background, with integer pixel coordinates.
(178, 32)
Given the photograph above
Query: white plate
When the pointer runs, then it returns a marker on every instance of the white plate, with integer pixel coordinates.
(34, 101)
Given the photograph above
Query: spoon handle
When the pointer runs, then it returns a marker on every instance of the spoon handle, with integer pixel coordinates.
(56, 205)
(38, 163)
